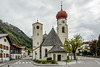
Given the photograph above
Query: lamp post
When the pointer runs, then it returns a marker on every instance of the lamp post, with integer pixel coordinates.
(71, 52)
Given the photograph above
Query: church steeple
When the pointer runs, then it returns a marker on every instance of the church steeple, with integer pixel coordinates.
(61, 13)
(61, 5)
(37, 19)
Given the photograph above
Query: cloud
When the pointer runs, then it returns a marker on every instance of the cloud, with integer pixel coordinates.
(83, 15)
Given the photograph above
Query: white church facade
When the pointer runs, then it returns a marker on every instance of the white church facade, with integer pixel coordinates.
(50, 45)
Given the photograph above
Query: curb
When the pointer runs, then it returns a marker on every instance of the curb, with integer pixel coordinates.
(36, 64)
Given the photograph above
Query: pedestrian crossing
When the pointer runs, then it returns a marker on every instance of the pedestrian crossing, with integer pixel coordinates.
(22, 63)
(85, 58)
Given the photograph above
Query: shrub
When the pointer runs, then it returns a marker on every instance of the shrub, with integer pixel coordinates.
(48, 59)
(43, 62)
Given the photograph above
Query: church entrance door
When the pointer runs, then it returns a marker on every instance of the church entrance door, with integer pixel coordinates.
(59, 57)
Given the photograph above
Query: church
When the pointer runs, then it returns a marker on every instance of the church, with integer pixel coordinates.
(50, 45)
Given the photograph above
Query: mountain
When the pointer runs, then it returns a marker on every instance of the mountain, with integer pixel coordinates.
(16, 35)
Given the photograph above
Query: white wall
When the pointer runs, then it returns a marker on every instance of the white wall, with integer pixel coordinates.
(63, 56)
(13, 56)
(61, 35)
(23, 53)
(37, 39)
(43, 51)
(4, 50)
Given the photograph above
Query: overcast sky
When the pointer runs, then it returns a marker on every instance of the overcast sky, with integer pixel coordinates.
(83, 15)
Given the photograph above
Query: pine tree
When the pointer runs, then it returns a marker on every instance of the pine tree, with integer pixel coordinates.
(98, 46)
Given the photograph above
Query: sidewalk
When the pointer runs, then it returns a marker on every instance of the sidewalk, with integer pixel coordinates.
(69, 63)
(8, 62)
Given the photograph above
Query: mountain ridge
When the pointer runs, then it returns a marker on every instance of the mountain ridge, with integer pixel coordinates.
(17, 36)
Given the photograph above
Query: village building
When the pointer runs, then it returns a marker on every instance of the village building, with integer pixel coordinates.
(23, 51)
(26, 53)
(15, 51)
(5, 43)
(50, 45)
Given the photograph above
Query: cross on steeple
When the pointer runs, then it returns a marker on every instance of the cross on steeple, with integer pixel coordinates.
(37, 19)
(61, 4)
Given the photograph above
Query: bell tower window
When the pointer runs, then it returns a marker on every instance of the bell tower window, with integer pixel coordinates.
(37, 27)
(63, 29)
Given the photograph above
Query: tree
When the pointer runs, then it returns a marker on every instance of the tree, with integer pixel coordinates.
(76, 42)
(98, 46)
(93, 47)
(67, 47)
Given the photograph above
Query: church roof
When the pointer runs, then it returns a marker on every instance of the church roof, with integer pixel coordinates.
(52, 39)
(56, 49)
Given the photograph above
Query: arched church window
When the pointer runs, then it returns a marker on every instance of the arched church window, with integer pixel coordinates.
(37, 43)
(34, 27)
(63, 29)
(45, 52)
(41, 28)
(37, 34)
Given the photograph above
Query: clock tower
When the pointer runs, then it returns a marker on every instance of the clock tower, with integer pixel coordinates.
(62, 27)
(37, 39)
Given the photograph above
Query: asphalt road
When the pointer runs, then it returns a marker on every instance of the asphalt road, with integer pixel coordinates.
(86, 62)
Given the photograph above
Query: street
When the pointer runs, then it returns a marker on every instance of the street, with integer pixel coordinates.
(85, 62)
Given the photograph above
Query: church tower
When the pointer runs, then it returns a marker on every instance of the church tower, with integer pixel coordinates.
(37, 39)
(62, 27)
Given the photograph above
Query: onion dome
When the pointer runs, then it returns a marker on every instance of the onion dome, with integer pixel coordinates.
(61, 14)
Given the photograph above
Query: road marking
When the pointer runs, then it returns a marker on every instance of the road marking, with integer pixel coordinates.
(30, 62)
(19, 62)
(98, 63)
(22, 63)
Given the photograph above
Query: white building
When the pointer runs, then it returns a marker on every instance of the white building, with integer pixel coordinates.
(15, 51)
(50, 45)
(5, 43)
(23, 51)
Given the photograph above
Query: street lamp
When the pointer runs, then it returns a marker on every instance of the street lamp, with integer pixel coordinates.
(71, 52)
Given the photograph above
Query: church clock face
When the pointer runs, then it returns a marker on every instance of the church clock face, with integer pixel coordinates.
(63, 21)
(37, 27)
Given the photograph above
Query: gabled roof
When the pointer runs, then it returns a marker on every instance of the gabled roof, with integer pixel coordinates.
(52, 39)
(7, 36)
(3, 35)
(56, 49)
(16, 46)
(37, 23)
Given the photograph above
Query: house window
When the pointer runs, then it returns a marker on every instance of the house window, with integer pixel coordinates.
(0, 55)
(63, 29)
(6, 47)
(4, 40)
(11, 51)
(7, 55)
(1, 46)
(45, 52)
